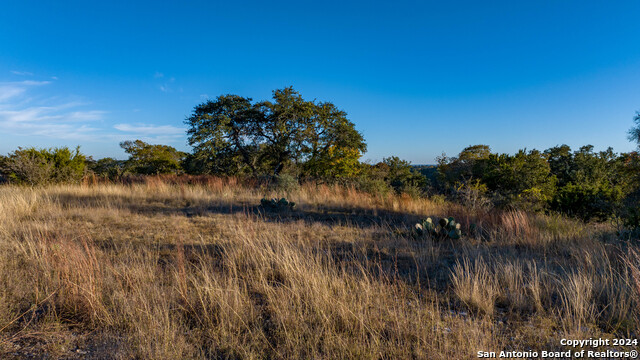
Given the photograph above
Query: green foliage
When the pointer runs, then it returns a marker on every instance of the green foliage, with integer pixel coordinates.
(590, 185)
(634, 133)
(473, 194)
(108, 168)
(631, 219)
(45, 166)
(150, 159)
(583, 183)
(401, 176)
(4, 169)
(284, 183)
(372, 185)
(445, 228)
(277, 204)
(390, 174)
(233, 135)
(470, 164)
(335, 163)
(523, 180)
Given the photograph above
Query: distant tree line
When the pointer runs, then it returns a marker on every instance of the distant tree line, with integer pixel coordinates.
(289, 139)
(581, 183)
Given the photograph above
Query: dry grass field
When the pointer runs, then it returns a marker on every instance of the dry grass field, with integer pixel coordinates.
(161, 270)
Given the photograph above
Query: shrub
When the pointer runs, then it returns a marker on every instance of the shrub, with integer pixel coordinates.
(413, 191)
(472, 194)
(284, 184)
(402, 177)
(391, 174)
(108, 168)
(438, 199)
(587, 201)
(373, 186)
(43, 166)
(148, 159)
(629, 218)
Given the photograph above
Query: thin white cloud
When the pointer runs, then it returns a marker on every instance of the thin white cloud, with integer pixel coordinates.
(158, 75)
(22, 73)
(165, 86)
(147, 129)
(91, 115)
(33, 83)
(7, 92)
(22, 114)
(26, 110)
(153, 134)
(10, 90)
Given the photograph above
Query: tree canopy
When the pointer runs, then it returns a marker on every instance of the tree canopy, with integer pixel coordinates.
(151, 159)
(634, 133)
(234, 135)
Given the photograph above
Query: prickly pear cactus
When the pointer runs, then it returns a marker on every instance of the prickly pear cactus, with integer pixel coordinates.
(277, 204)
(445, 228)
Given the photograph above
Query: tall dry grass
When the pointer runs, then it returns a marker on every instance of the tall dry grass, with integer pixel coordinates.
(162, 269)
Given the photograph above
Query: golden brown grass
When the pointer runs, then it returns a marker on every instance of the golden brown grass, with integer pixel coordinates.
(162, 270)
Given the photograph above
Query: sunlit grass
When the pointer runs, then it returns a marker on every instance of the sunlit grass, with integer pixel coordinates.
(162, 270)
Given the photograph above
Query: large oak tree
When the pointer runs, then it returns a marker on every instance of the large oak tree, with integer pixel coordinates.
(234, 135)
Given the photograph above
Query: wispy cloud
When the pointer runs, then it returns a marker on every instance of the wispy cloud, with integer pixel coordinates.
(155, 134)
(165, 86)
(27, 110)
(22, 73)
(11, 90)
(89, 115)
(8, 91)
(23, 114)
(32, 83)
(147, 129)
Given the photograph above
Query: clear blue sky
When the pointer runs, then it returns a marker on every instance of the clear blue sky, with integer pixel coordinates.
(417, 78)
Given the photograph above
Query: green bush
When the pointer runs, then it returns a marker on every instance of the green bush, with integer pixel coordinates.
(588, 201)
(45, 166)
(373, 186)
(402, 177)
(472, 194)
(108, 168)
(392, 174)
(631, 218)
(284, 184)
(590, 184)
(413, 191)
(148, 159)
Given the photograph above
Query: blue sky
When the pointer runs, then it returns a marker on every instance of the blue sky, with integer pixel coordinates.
(417, 78)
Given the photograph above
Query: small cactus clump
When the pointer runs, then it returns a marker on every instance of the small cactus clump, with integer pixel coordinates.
(275, 204)
(445, 228)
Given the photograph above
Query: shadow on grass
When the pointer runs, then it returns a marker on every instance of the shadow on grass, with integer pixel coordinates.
(352, 216)
(398, 256)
